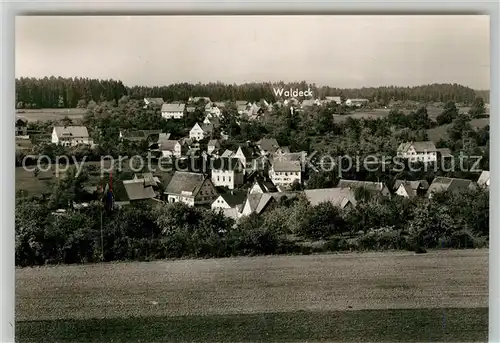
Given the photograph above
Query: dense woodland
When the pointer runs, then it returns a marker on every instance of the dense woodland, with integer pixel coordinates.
(77, 92)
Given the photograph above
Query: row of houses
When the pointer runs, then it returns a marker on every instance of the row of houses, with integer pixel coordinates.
(196, 189)
(177, 110)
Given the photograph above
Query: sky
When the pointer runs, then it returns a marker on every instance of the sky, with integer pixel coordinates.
(336, 51)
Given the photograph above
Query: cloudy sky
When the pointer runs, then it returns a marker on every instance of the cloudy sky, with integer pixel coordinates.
(339, 51)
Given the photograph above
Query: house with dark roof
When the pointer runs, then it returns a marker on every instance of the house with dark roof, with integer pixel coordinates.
(258, 203)
(262, 185)
(21, 126)
(410, 189)
(246, 154)
(373, 187)
(418, 151)
(70, 135)
(447, 184)
(150, 136)
(172, 111)
(139, 189)
(232, 200)
(340, 197)
(191, 188)
(227, 172)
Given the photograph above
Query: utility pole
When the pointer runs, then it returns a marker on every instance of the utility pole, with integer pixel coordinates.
(102, 237)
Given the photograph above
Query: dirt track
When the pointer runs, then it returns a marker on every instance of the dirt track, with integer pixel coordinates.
(260, 284)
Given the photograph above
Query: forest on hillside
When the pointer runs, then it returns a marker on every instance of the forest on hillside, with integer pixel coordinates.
(58, 92)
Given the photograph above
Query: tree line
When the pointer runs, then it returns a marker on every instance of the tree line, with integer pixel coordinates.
(52, 92)
(145, 232)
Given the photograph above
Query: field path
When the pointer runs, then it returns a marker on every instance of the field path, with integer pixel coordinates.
(438, 279)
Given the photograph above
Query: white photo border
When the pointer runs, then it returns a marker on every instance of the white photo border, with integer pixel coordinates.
(10, 9)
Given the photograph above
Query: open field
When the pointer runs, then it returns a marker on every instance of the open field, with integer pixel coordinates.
(436, 133)
(45, 114)
(442, 295)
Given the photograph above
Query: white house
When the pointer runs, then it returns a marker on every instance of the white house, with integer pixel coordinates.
(284, 173)
(484, 179)
(169, 147)
(262, 186)
(70, 135)
(172, 111)
(229, 200)
(227, 172)
(356, 102)
(190, 188)
(410, 189)
(335, 99)
(418, 151)
(197, 133)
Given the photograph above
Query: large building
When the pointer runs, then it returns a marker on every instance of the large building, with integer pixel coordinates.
(70, 135)
(418, 151)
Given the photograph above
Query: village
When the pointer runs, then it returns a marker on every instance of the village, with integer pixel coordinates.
(250, 178)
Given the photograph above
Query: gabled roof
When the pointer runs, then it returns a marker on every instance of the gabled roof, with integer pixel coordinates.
(369, 185)
(484, 178)
(408, 189)
(147, 178)
(286, 166)
(234, 199)
(442, 184)
(185, 181)
(415, 185)
(157, 101)
(219, 104)
(71, 131)
(227, 153)
(207, 128)
(173, 107)
(137, 190)
(247, 152)
(340, 197)
(268, 144)
(265, 185)
(241, 102)
(168, 144)
(21, 120)
(419, 147)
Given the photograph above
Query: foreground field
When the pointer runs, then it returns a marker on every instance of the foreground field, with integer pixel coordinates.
(353, 297)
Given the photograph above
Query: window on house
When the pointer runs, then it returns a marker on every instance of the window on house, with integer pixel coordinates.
(223, 179)
(229, 178)
(218, 178)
